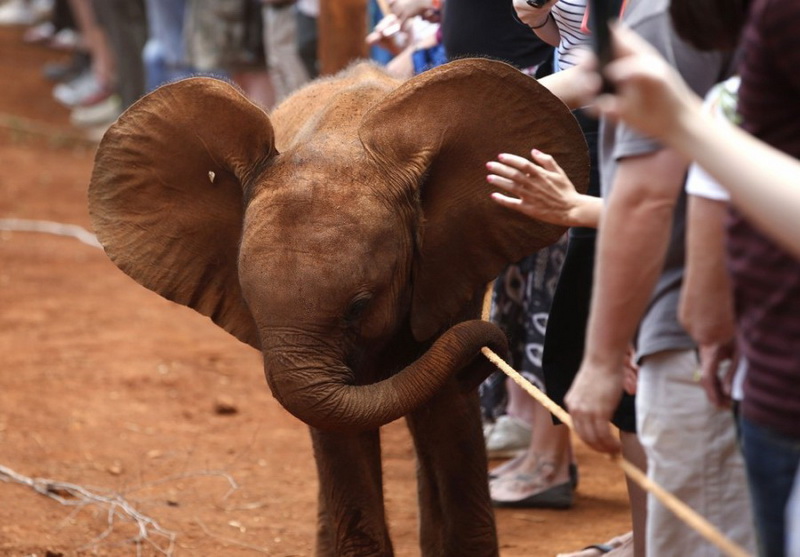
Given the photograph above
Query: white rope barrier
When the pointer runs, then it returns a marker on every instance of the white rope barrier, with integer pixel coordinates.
(681, 510)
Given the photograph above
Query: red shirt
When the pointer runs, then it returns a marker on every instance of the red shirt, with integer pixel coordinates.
(766, 278)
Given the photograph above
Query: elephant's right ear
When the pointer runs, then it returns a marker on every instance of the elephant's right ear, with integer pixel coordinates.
(166, 195)
(435, 133)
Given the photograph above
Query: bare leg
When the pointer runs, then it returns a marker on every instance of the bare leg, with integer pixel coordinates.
(520, 403)
(633, 452)
(631, 544)
(102, 59)
(545, 464)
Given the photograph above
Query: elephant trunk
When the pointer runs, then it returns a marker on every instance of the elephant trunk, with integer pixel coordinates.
(325, 397)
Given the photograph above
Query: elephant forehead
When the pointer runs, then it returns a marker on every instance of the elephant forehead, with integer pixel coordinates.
(319, 264)
(306, 222)
(335, 103)
(333, 182)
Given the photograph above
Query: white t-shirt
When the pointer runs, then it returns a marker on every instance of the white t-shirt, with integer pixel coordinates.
(721, 103)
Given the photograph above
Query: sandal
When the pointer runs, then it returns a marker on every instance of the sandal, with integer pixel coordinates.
(598, 549)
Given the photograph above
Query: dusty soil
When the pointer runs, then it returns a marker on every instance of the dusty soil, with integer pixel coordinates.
(164, 420)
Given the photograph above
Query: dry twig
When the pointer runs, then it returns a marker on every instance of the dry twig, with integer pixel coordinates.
(48, 227)
(119, 509)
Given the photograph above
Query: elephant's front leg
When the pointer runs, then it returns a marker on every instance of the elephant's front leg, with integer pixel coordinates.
(351, 512)
(456, 515)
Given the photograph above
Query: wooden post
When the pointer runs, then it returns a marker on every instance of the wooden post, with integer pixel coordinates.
(342, 27)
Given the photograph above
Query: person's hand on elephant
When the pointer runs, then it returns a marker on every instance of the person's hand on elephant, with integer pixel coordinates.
(541, 190)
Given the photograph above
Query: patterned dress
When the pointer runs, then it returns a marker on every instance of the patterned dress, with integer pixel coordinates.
(521, 299)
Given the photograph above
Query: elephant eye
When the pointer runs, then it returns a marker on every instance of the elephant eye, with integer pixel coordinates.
(357, 308)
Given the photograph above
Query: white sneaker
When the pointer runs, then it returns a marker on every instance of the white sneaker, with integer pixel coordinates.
(98, 114)
(39, 33)
(66, 39)
(79, 90)
(17, 12)
(509, 437)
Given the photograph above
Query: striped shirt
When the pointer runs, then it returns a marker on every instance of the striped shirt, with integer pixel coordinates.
(568, 15)
(766, 278)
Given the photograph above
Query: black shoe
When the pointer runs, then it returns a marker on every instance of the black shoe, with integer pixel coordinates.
(557, 497)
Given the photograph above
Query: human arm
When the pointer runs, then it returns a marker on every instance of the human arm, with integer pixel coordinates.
(652, 97)
(571, 86)
(762, 180)
(539, 20)
(631, 247)
(541, 190)
(706, 304)
(406, 9)
(389, 35)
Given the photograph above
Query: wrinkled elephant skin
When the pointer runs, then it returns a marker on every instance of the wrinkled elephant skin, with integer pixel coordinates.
(348, 236)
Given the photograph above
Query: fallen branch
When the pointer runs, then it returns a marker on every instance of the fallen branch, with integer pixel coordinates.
(73, 495)
(48, 227)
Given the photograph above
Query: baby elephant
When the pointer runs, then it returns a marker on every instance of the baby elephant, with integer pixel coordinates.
(349, 237)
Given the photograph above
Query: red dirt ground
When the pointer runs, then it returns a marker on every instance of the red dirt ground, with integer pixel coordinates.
(107, 386)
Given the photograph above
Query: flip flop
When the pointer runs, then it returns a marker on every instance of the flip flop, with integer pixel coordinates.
(557, 497)
(574, 476)
(603, 548)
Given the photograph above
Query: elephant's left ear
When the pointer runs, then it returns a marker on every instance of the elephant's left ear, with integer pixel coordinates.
(168, 194)
(442, 127)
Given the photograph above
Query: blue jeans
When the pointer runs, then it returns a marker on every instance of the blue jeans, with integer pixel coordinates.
(772, 461)
(163, 54)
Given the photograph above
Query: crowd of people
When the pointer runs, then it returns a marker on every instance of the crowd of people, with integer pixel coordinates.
(658, 85)
(122, 49)
(669, 310)
(693, 269)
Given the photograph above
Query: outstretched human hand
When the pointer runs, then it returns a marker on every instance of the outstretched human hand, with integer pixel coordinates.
(542, 190)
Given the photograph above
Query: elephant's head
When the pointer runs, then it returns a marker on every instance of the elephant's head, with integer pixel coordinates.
(349, 229)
